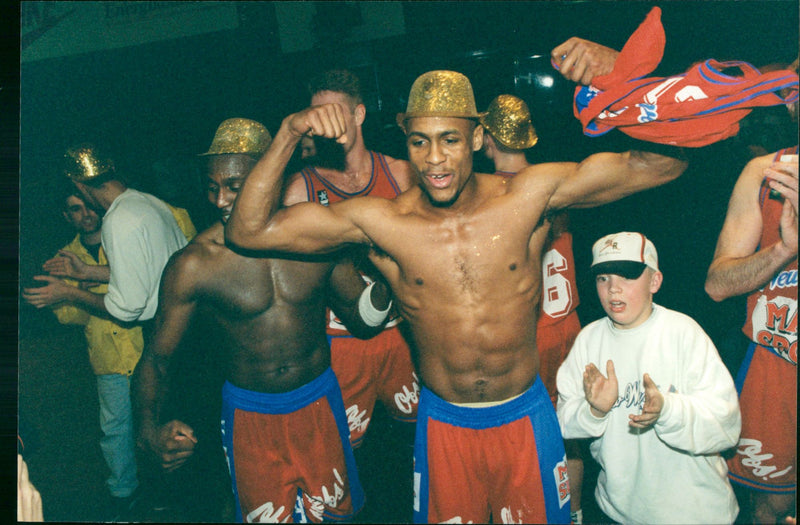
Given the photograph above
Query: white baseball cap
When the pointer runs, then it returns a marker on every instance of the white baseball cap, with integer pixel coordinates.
(624, 253)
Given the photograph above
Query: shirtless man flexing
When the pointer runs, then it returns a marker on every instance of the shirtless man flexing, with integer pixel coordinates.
(462, 254)
(283, 421)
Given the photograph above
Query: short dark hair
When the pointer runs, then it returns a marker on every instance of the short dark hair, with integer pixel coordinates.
(339, 81)
(70, 191)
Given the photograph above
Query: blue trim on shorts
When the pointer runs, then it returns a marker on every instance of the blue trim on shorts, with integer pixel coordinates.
(283, 402)
(785, 488)
(741, 375)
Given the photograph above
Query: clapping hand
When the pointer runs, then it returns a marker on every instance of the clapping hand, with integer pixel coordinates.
(653, 403)
(601, 391)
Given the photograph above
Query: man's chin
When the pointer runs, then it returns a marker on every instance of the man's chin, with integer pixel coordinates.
(439, 201)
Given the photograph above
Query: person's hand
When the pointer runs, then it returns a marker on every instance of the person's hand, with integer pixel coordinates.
(66, 264)
(29, 501)
(653, 403)
(326, 120)
(788, 227)
(783, 179)
(580, 60)
(87, 285)
(601, 392)
(174, 444)
(54, 292)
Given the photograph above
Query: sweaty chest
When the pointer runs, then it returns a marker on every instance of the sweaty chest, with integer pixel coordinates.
(467, 257)
(254, 285)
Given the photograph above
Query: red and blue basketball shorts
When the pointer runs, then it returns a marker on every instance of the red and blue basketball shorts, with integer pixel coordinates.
(766, 456)
(289, 455)
(501, 464)
(372, 369)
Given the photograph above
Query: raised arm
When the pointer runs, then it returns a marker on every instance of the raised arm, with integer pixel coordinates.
(174, 441)
(257, 223)
(737, 268)
(580, 60)
(606, 177)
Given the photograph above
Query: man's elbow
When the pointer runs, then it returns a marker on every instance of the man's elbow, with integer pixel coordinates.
(677, 168)
(670, 168)
(715, 292)
(663, 167)
(240, 235)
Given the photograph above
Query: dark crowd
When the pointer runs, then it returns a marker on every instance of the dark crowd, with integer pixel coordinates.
(518, 262)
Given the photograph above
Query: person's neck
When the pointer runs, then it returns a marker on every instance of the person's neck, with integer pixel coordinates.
(91, 239)
(510, 162)
(358, 162)
(108, 194)
(357, 171)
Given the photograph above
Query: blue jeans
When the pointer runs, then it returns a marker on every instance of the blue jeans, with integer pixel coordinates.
(118, 442)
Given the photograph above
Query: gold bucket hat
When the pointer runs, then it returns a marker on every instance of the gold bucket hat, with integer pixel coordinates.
(508, 120)
(240, 135)
(83, 163)
(440, 94)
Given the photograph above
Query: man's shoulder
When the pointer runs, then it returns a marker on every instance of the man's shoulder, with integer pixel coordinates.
(401, 169)
(131, 204)
(749, 182)
(208, 247)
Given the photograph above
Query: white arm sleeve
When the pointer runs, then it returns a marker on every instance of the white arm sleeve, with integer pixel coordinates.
(131, 276)
(705, 418)
(573, 411)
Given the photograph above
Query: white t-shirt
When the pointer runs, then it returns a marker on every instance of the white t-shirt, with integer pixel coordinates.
(671, 472)
(139, 235)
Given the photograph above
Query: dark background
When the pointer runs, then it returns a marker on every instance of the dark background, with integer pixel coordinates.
(156, 106)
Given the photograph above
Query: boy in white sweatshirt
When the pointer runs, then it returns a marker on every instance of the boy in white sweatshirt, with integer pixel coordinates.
(666, 407)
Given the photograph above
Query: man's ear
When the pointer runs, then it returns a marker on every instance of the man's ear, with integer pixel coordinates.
(477, 138)
(360, 113)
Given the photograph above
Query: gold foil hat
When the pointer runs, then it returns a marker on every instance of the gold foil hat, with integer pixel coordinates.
(240, 135)
(508, 120)
(440, 94)
(83, 163)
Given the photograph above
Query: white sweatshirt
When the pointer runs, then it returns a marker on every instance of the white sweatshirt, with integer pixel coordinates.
(670, 472)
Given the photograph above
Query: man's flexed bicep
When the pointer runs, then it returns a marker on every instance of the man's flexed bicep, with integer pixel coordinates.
(308, 228)
(606, 177)
(258, 203)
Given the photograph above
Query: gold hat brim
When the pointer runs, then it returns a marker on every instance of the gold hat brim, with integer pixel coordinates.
(403, 117)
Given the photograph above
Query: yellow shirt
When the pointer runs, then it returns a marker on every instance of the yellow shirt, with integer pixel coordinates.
(184, 222)
(112, 348)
